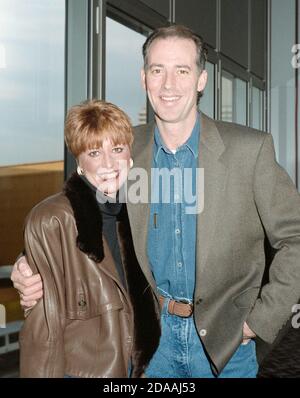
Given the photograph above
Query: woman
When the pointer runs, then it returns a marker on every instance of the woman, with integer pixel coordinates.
(98, 316)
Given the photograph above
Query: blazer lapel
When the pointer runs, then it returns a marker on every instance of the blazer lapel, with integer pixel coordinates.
(215, 174)
(138, 213)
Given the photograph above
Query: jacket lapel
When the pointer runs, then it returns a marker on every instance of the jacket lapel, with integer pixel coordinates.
(215, 174)
(107, 265)
(139, 212)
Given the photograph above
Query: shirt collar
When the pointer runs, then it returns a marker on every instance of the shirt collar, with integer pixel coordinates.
(192, 143)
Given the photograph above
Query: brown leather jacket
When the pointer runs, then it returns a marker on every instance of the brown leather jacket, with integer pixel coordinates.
(87, 324)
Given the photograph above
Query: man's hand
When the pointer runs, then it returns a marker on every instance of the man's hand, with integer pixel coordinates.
(248, 334)
(29, 286)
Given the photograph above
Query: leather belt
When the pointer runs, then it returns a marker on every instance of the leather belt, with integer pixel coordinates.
(179, 308)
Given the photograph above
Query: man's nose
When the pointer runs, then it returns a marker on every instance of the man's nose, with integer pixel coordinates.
(169, 80)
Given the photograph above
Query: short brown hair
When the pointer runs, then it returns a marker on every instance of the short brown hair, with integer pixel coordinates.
(181, 32)
(91, 122)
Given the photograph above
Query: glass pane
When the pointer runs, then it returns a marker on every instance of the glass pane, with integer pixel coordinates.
(123, 86)
(31, 113)
(282, 84)
(207, 101)
(227, 97)
(240, 101)
(31, 81)
(32, 63)
(257, 108)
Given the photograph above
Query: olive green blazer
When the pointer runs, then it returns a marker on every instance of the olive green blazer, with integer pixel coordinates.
(247, 196)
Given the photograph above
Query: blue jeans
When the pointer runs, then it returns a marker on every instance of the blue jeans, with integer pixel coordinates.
(180, 353)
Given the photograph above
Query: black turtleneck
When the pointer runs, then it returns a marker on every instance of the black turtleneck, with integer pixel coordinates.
(109, 212)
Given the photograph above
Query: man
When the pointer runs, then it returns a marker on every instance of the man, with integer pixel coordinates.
(206, 269)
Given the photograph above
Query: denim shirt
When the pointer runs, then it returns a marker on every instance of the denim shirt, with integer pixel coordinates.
(172, 232)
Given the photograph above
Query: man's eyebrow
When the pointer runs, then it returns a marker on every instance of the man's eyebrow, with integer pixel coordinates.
(184, 66)
(156, 65)
(162, 66)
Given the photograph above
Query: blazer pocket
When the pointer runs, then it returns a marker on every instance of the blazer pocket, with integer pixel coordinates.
(246, 298)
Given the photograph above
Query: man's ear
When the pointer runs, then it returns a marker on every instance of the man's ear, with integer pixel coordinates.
(202, 80)
(143, 79)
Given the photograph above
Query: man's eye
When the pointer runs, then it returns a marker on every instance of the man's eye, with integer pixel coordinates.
(156, 71)
(118, 149)
(183, 71)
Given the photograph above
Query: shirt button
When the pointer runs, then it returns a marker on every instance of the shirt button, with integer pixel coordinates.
(179, 265)
(177, 231)
(203, 332)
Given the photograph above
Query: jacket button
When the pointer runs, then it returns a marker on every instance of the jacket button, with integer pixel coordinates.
(199, 301)
(82, 303)
(203, 332)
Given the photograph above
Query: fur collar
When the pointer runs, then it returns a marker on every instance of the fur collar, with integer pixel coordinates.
(87, 216)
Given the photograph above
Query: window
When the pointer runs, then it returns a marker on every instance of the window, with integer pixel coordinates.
(32, 64)
(207, 101)
(31, 81)
(227, 97)
(240, 100)
(123, 65)
(234, 99)
(257, 108)
(32, 67)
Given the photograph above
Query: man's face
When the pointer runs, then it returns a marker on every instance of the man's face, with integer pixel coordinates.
(172, 79)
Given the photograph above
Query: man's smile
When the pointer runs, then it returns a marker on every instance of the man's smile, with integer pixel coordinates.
(170, 99)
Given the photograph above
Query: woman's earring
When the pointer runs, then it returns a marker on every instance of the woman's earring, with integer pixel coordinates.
(131, 163)
(79, 171)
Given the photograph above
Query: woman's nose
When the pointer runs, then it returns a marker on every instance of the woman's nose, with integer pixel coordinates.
(107, 161)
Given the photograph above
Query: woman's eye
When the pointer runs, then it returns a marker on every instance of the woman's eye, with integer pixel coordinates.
(94, 154)
(118, 149)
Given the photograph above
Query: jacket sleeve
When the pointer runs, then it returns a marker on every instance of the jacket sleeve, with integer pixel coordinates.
(278, 205)
(41, 338)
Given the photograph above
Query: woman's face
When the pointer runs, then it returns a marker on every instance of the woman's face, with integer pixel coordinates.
(106, 167)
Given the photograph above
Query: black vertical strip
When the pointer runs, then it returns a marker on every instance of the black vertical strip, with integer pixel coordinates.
(296, 91)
